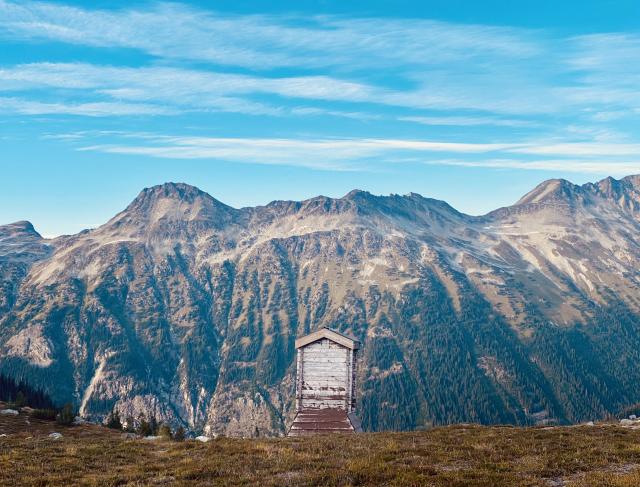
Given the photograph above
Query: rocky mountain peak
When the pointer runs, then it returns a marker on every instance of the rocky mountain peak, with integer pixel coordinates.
(610, 187)
(174, 202)
(624, 192)
(363, 202)
(176, 194)
(550, 190)
(402, 209)
(565, 196)
(358, 204)
(178, 191)
(633, 180)
(21, 241)
(22, 228)
(358, 194)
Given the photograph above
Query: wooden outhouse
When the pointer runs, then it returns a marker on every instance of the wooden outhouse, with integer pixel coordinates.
(325, 384)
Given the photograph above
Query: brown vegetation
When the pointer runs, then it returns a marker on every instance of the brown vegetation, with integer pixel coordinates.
(452, 456)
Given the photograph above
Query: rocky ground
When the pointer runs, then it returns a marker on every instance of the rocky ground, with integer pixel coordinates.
(598, 455)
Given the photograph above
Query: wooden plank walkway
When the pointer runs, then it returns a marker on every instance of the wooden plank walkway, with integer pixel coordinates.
(318, 421)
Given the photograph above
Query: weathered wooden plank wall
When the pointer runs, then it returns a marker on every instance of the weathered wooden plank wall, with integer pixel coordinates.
(326, 371)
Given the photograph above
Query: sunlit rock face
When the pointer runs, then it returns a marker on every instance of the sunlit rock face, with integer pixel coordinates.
(187, 309)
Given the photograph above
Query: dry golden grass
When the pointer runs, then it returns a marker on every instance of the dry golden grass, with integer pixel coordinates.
(452, 456)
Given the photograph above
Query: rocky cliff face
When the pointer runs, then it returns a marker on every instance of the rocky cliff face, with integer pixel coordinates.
(187, 309)
(20, 246)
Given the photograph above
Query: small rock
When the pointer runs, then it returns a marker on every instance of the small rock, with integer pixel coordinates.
(589, 423)
(626, 421)
(152, 438)
(4, 435)
(203, 439)
(633, 416)
(78, 421)
(55, 436)
(162, 480)
(9, 412)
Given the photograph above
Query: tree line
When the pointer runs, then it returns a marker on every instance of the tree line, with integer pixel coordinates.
(22, 394)
(144, 426)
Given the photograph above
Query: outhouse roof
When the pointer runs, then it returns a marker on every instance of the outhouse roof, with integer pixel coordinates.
(330, 334)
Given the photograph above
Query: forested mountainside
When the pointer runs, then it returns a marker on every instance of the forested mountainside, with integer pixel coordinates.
(187, 309)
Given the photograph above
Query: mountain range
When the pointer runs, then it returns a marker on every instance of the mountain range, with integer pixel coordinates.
(186, 309)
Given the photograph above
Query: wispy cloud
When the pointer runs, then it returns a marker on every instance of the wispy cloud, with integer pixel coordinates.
(95, 109)
(525, 98)
(614, 53)
(602, 167)
(178, 31)
(205, 89)
(328, 154)
(582, 149)
(176, 87)
(459, 121)
(191, 89)
(441, 66)
(366, 153)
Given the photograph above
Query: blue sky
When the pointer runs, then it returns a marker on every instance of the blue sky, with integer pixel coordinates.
(470, 102)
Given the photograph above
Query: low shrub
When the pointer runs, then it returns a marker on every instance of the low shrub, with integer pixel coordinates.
(47, 414)
(113, 421)
(129, 424)
(179, 435)
(147, 427)
(66, 415)
(20, 400)
(164, 431)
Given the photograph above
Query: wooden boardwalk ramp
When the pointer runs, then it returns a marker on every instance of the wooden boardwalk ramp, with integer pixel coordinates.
(319, 421)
